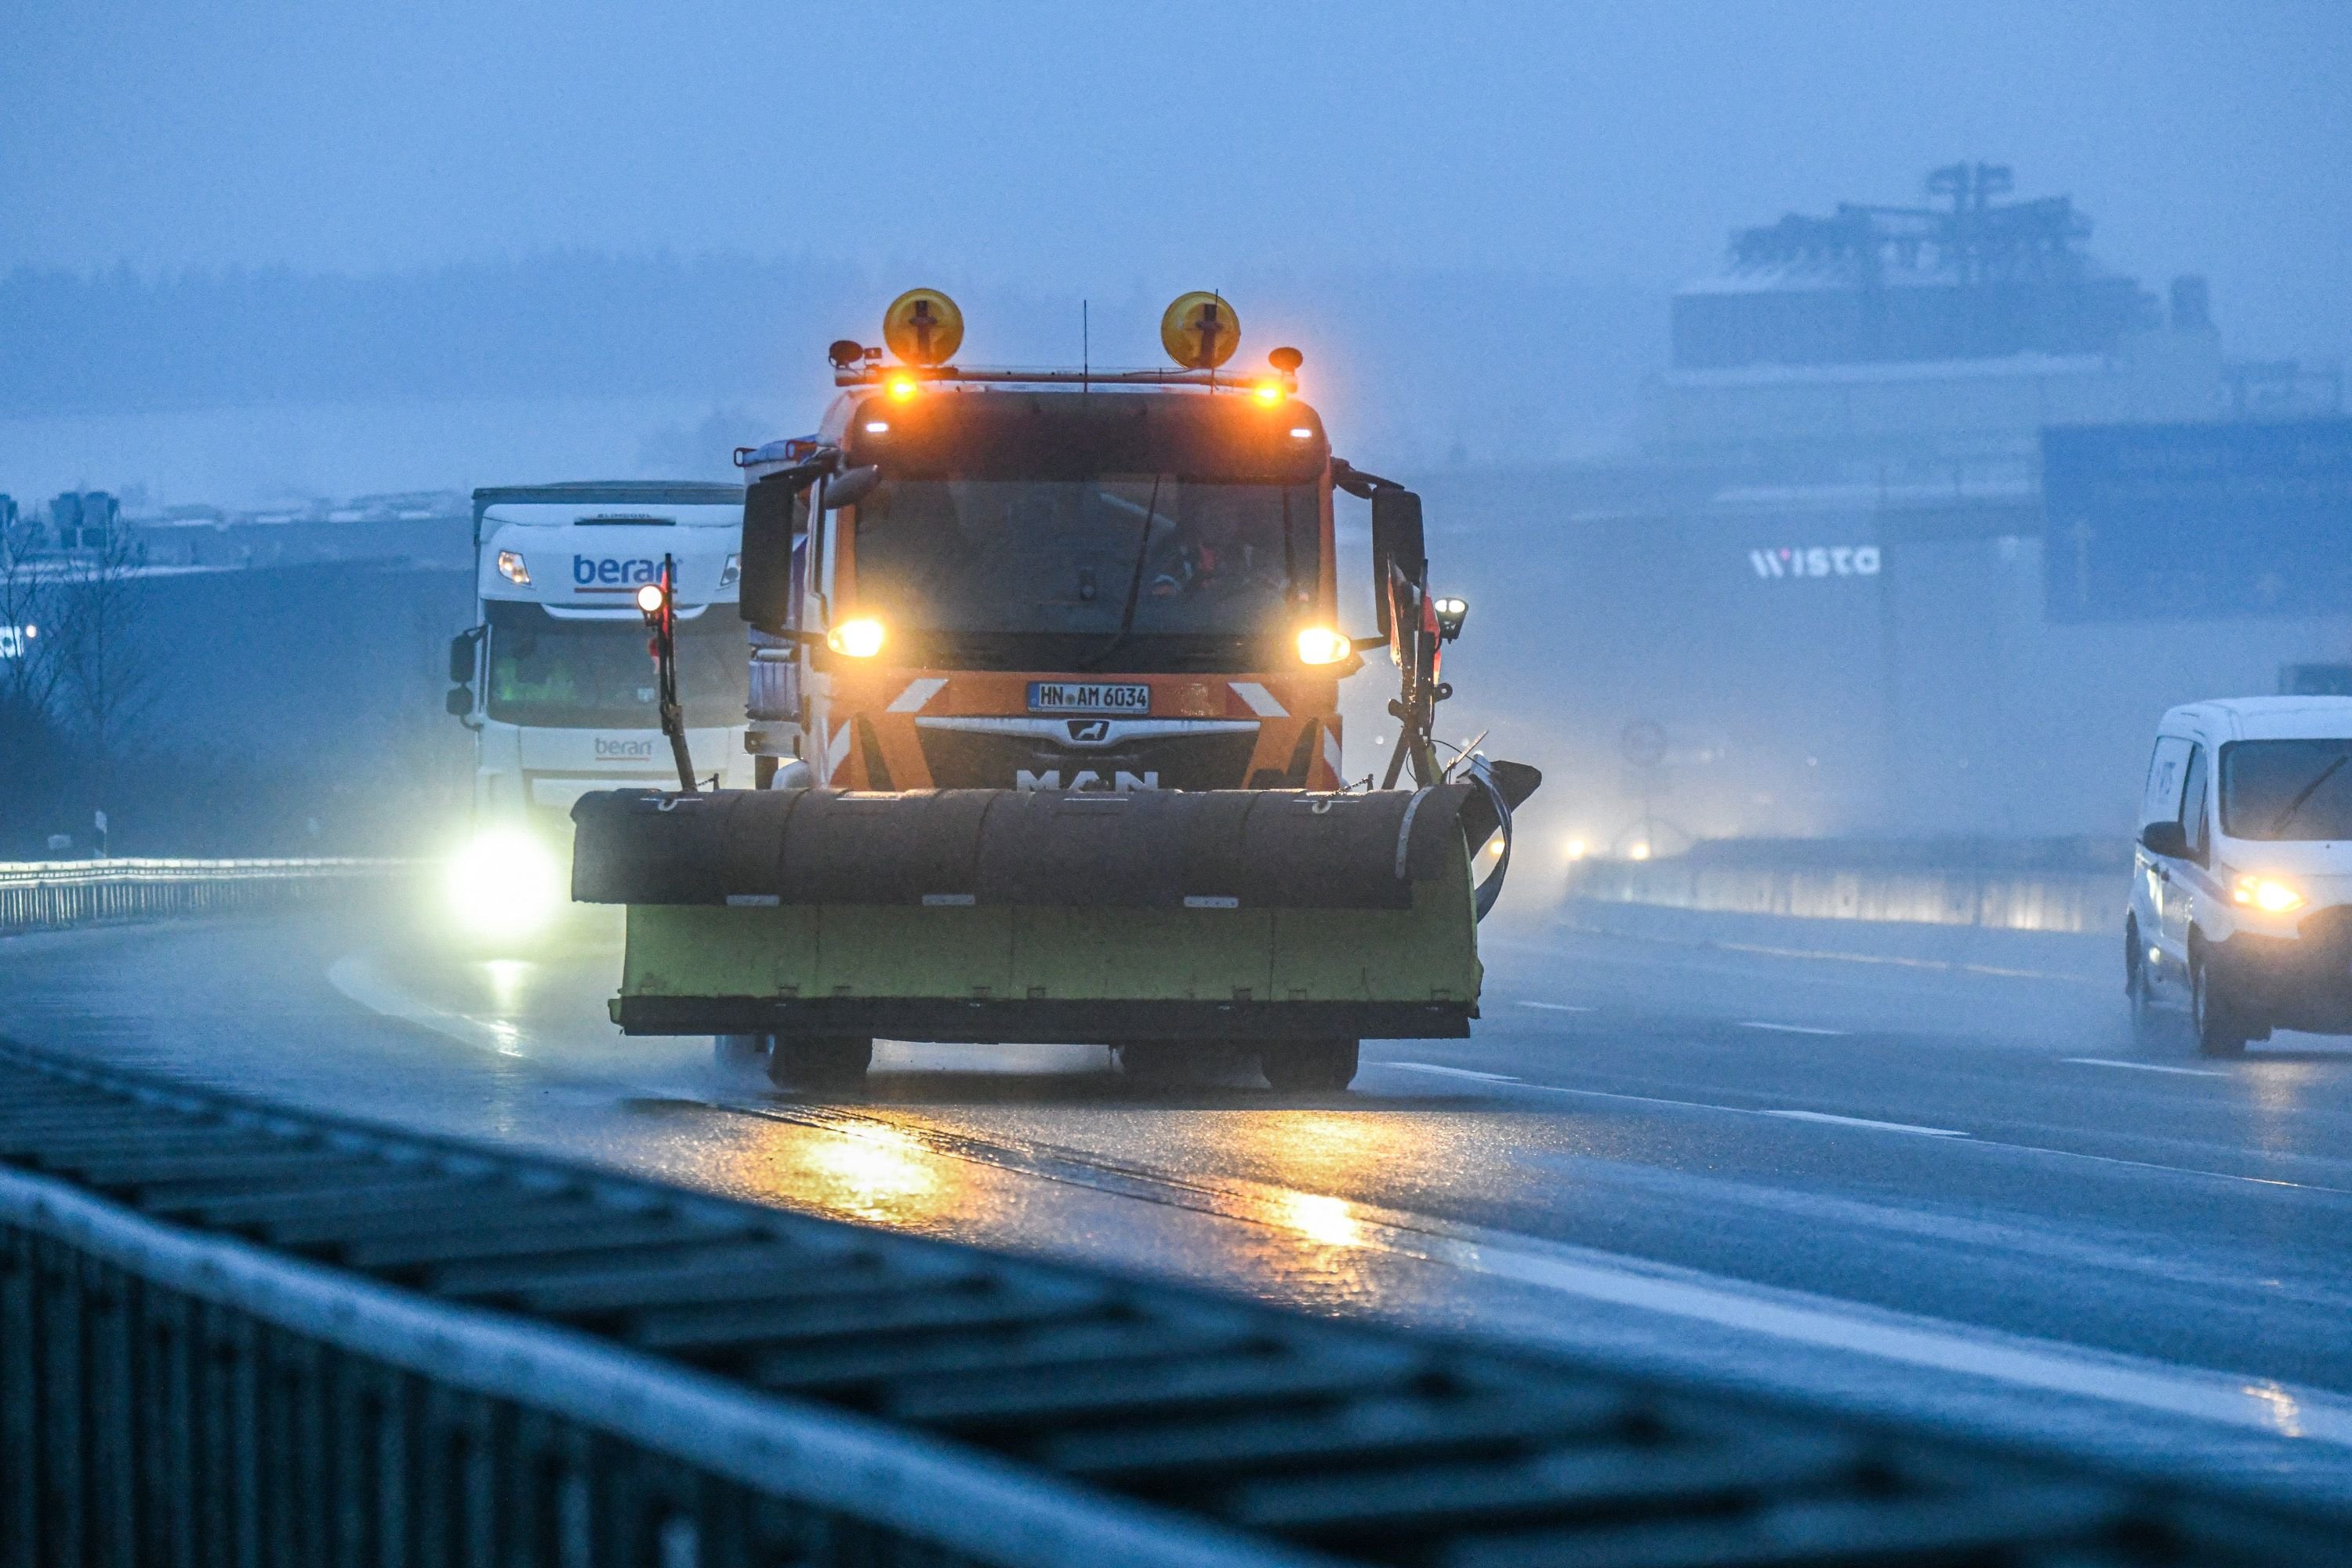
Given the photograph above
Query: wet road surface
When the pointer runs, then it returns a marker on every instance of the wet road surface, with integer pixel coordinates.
(1934, 1180)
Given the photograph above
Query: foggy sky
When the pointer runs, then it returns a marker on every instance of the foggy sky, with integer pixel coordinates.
(1115, 149)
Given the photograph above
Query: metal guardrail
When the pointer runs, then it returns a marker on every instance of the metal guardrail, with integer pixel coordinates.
(229, 1333)
(2061, 901)
(41, 895)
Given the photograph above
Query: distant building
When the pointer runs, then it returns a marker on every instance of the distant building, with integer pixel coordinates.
(1901, 524)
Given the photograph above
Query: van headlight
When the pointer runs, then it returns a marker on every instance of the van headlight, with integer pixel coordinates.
(2268, 894)
(505, 883)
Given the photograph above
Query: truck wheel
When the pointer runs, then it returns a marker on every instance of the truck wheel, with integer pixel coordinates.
(2220, 1031)
(824, 1062)
(736, 1052)
(1303, 1066)
(1152, 1061)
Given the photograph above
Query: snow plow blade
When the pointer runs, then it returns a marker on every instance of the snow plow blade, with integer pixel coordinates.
(1048, 916)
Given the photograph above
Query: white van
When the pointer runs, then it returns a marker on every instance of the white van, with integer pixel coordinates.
(2242, 889)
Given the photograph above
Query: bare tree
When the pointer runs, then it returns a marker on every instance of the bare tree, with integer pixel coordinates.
(106, 685)
(29, 671)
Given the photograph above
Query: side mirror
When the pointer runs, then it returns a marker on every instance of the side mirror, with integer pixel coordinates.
(1451, 614)
(851, 486)
(2169, 839)
(459, 702)
(765, 586)
(461, 655)
(1396, 542)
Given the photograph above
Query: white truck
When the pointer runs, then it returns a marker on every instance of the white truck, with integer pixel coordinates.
(556, 682)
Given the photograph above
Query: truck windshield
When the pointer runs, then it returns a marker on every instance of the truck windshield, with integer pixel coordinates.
(597, 675)
(1076, 563)
(2287, 789)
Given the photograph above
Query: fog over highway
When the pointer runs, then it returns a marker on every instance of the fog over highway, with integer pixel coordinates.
(1935, 1182)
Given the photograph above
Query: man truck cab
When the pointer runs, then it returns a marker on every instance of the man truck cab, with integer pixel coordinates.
(555, 681)
(2242, 888)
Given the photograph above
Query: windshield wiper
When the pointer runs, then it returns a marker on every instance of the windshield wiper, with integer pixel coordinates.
(2283, 817)
(1134, 586)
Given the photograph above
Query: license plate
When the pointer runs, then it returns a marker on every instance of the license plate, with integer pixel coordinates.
(1088, 697)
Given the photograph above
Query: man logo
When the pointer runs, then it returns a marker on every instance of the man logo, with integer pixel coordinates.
(1816, 561)
(1089, 731)
(1121, 781)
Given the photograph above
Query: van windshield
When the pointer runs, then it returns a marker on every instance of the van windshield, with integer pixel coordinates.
(2287, 790)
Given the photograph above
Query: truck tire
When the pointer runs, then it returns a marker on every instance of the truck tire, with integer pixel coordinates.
(819, 1062)
(1152, 1061)
(2220, 1031)
(1299, 1067)
(736, 1052)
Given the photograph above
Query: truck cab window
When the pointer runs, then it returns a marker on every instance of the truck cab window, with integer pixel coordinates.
(595, 674)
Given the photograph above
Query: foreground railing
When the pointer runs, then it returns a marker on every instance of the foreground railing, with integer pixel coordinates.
(232, 1334)
(39, 895)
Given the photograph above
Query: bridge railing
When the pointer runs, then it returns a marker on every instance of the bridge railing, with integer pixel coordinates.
(41, 895)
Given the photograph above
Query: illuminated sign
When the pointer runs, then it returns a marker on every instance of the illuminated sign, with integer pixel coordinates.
(1815, 560)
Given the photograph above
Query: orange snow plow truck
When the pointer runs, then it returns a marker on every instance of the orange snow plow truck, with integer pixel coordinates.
(985, 607)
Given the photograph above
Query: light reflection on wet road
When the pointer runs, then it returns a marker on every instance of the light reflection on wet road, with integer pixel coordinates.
(1645, 1177)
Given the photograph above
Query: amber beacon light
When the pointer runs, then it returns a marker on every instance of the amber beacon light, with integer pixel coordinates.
(1200, 331)
(922, 327)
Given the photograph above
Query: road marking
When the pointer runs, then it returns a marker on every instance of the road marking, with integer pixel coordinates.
(1588, 1274)
(1821, 1116)
(2144, 1066)
(355, 976)
(1788, 1028)
(1557, 1006)
(1866, 1121)
(1457, 1072)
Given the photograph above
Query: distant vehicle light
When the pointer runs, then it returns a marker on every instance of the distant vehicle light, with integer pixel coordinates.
(505, 883)
(1268, 393)
(2267, 894)
(732, 573)
(511, 568)
(902, 389)
(860, 639)
(1576, 849)
(1322, 645)
(1639, 852)
(877, 427)
(650, 598)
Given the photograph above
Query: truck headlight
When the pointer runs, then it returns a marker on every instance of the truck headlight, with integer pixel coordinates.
(505, 883)
(1322, 645)
(511, 568)
(860, 639)
(2268, 894)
